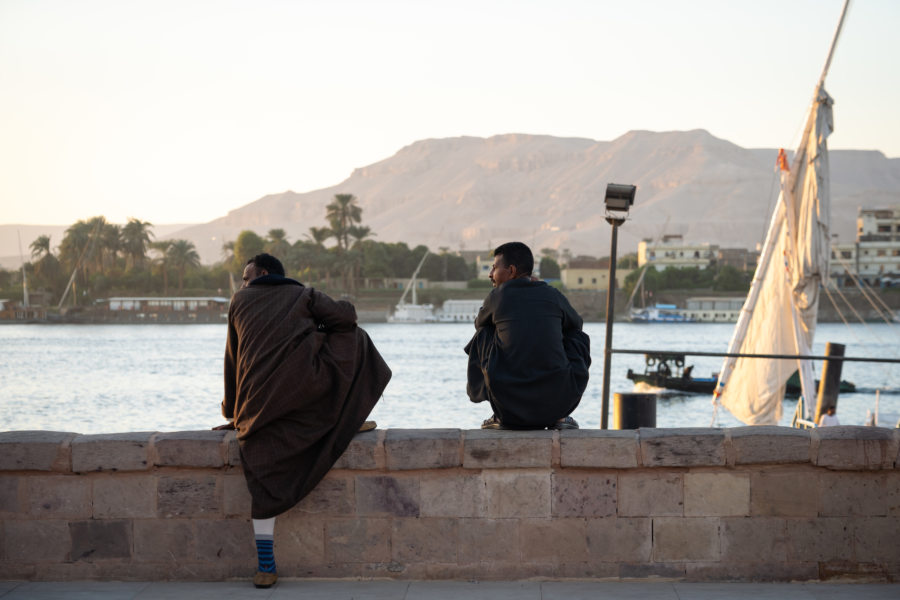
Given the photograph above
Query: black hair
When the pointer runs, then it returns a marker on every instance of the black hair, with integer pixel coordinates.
(518, 254)
(267, 262)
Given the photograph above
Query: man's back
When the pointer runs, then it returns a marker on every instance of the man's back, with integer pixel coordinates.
(534, 356)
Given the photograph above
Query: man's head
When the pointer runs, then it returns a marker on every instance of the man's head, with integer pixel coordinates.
(512, 260)
(259, 265)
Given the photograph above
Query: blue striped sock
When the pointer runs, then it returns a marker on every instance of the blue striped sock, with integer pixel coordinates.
(265, 552)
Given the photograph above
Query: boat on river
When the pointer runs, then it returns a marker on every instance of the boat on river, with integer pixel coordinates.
(660, 313)
(667, 370)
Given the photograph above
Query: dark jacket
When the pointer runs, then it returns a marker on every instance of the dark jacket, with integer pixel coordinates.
(529, 357)
(300, 379)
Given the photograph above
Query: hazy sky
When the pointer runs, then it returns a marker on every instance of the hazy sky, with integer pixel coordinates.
(178, 111)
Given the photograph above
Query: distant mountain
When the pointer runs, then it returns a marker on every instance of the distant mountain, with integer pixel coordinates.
(548, 192)
(475, 193)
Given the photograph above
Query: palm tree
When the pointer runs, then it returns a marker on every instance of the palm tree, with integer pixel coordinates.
(136, 236)
(342, 213)
(111, 244)
(277, 244)
(319, 235)
(40, 247)
(162, 247)
(183, 254)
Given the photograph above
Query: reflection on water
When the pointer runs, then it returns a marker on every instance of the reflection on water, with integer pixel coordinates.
(111, 378)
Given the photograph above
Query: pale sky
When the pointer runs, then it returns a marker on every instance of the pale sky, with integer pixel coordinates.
(179, 111)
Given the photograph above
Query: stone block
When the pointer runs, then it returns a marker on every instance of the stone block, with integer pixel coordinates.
(232, 449)
(746, 540)
(299, 540)
(502, 449)
(488, 540)
(334, 495)
(583, 494)
(892, 493)
(187, 496)
(385, 495)
(225, 539)
(190, 449)
(877, 540)
(59, 496)
(685, 539)
(792, 493)
(38, 541)
(124, 496)
(689, 447)
(445, 495)
(424, 540)
(553, 541)
(236, 500)
(10, 503)
(855, 447)
(619, 540)
(165, 540)
(823, 539)
(35, 450)
(716, 494)
(517, 493)
(758, 445)
(365, 452)
(422, 449)
(650, 493)
(358, 540)
(97, 540)
(852, 494)
(599, 448)
(112, 452)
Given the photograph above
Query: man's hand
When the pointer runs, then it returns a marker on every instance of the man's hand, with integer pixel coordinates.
(228, 425)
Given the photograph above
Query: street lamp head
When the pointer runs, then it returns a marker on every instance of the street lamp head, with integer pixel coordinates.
(619, 197)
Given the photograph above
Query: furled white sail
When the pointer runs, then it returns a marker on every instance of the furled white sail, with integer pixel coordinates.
(779, 315)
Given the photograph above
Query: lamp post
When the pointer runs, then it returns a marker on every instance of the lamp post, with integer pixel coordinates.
(618, 200)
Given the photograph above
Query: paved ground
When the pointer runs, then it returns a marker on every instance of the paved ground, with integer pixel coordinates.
(447, 590)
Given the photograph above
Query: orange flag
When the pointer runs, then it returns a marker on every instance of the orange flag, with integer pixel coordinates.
(782, 162)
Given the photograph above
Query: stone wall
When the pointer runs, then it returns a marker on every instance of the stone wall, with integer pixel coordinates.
(755, 503)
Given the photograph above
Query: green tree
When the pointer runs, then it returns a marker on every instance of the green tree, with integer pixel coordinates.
(276, 244)
(731, 279)
(136, 238)
(40, 246)
(549, 268)
(182, 254)
(319, 235)
(342, 213)
(247, 245)
(162, 261)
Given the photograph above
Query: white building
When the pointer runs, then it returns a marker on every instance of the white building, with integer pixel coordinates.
(673, 251)
(875, 255)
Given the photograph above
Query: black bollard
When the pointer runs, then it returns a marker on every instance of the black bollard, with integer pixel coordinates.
(830, 385)
(631, 411)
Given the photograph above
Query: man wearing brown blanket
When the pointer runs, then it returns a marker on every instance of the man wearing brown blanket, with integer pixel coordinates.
(300, 379)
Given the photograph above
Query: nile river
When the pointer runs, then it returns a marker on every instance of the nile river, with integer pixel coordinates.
(115, 378)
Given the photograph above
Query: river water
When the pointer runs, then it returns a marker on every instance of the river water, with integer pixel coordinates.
(116, 378)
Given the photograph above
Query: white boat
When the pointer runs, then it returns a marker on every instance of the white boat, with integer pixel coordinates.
(659, 313)
(459, 311)
(413, 312)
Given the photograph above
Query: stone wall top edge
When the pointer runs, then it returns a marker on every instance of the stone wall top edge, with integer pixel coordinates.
(771, 437)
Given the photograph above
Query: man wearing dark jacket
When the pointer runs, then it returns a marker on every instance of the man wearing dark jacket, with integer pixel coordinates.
(300, 379)
(529, 357)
